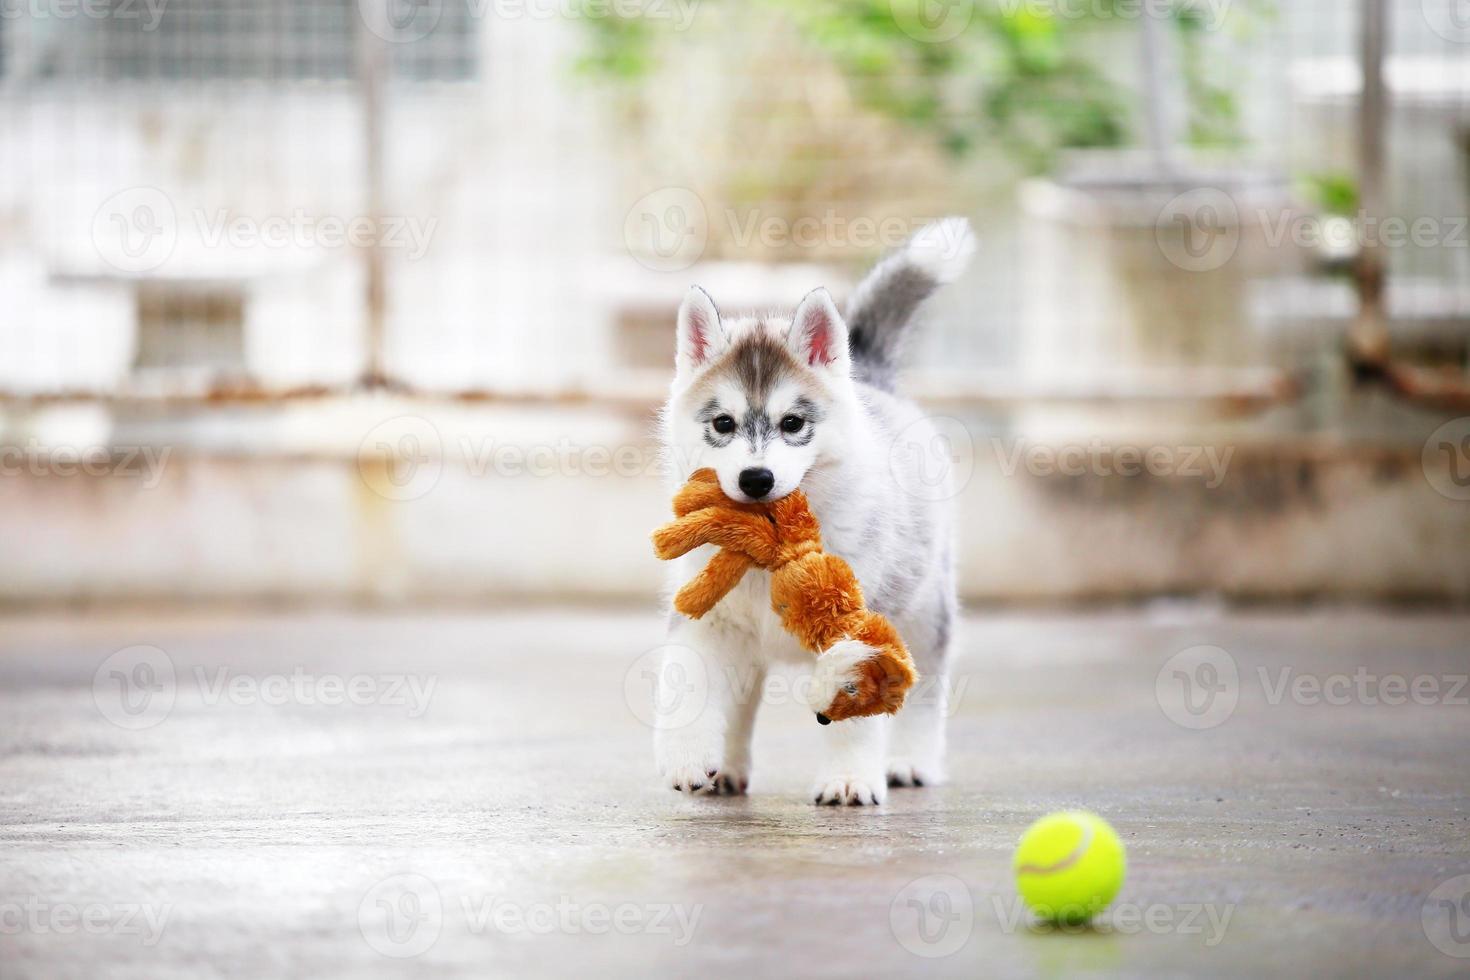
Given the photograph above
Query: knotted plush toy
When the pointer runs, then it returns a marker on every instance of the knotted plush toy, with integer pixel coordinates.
(815, 594)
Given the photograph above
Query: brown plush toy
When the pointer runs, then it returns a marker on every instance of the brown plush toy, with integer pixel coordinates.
(815, 594)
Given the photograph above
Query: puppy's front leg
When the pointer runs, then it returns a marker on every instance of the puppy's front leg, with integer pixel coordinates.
(852, 772)
(701, 698)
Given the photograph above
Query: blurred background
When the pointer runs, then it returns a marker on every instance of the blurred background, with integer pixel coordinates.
(335, 301)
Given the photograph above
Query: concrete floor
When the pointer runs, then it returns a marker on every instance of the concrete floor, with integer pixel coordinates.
(513, 827)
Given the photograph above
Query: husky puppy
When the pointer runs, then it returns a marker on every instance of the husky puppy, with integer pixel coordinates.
(773, 403)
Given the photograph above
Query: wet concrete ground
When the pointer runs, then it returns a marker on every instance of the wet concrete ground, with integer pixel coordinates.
(450, 794)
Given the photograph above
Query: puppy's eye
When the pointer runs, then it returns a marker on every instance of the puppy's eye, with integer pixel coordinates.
(723, 424)
(792, 423)
(850, 689)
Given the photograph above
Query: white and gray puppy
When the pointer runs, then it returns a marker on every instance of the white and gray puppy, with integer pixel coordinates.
(775, 403)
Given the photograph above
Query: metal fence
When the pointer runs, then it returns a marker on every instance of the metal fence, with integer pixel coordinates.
(229, 199)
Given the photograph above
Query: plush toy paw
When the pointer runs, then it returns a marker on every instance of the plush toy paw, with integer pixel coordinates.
(849, 791)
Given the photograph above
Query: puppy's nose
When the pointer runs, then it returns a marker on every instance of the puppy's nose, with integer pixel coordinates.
(823, 719)
(756, 483)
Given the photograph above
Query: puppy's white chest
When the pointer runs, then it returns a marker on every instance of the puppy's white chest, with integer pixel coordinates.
(747, 609)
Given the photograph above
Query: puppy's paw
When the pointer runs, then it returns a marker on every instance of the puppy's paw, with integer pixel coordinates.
(730, 782)
(712, 781)
(902, 772)
(697, 766)
(849, 791)
(686, 779)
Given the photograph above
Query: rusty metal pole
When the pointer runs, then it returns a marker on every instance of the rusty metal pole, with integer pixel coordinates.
(372, 73)
(1368, 341)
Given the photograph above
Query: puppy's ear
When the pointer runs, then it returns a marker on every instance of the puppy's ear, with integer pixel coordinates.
(818, 335)
(701, 337)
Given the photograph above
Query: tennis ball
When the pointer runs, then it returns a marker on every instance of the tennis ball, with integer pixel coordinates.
(1069, 866)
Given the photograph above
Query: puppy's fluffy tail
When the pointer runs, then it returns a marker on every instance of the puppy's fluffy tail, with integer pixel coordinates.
(885, 302)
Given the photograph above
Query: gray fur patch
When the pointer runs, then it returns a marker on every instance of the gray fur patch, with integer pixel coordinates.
(760, 362)
(705, 416)
(884, 306)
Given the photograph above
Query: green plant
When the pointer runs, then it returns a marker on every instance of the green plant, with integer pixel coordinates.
(1331, 193)
(1019, 76)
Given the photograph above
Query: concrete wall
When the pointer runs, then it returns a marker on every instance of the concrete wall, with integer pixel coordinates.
(1274, 520)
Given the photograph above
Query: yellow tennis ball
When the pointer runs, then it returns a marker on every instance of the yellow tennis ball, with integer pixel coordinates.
(1069, 866)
